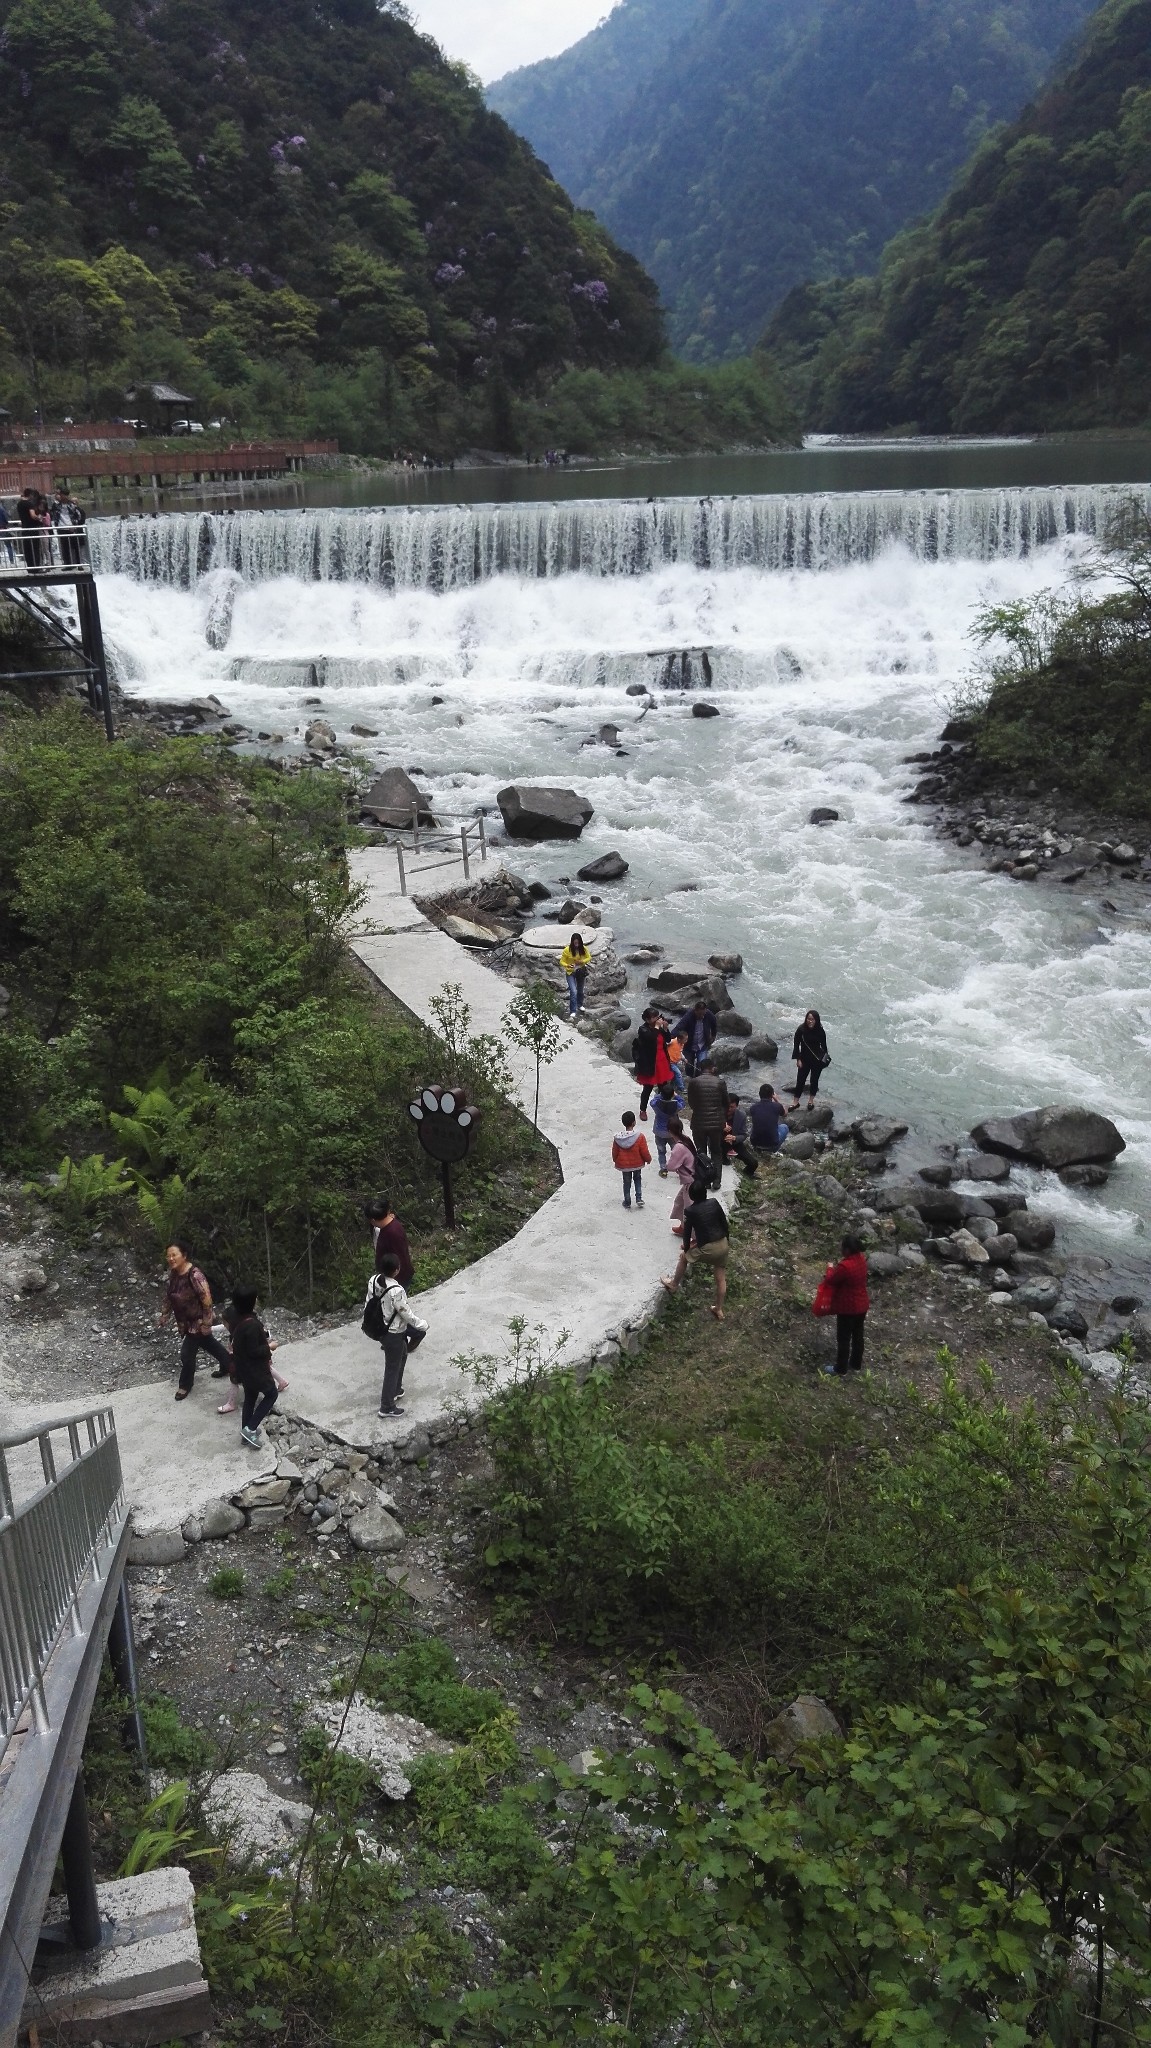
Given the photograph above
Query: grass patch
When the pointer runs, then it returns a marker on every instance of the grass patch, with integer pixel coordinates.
(227, 1583)
(423, 1680)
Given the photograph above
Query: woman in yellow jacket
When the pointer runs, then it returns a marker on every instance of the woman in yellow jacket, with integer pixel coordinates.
(575, 961)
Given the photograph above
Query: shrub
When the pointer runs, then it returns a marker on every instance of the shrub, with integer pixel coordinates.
(227, 1583)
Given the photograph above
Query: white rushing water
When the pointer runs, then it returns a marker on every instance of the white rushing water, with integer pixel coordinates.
(948, 993)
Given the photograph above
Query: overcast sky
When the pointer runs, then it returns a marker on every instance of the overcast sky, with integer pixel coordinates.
(495, 36)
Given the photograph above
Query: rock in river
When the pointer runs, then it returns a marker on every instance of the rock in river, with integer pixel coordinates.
(610, 867)
(876, 1133)
(1058, 1135)
(393, 796)
(537, 812)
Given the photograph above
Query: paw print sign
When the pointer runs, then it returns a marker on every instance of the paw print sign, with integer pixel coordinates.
(444, 1123)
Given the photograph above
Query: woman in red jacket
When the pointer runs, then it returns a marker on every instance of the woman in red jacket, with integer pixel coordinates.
(849, 1305)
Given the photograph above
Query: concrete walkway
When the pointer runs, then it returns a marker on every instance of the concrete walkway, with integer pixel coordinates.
(579, 1265)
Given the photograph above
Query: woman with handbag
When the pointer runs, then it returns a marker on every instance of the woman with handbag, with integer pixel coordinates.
(842, 1293)
(809, 1051)
(390, 1319)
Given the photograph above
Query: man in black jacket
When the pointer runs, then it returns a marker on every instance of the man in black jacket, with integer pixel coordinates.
(697, 1028)
(705, 1243)
(707, 1107)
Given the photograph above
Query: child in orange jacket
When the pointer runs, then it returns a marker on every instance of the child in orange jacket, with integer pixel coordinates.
(630, 1154)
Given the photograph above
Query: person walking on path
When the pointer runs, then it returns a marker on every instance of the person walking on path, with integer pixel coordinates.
(575, 961)
(188, 1299)
(666, 1103)
(706, 1242)
(252, 1365)
(230, 1319)
(707, 1107)
(765, 1120)
(401, 1329)
(682, 1162)
(649, 1051)
(629, 1152)
(809, 1051)
(696, 1031)
(846, 1284)
(389, 1235)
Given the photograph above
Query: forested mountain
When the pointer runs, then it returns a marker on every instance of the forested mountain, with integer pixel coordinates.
(770, 141)
(1026, 302)
(291, 210)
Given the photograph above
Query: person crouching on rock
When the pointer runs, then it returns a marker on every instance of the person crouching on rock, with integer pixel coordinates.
(188, 1298)
(575, 961)
(850, 1302)
(705, 1221)
(401, 1329)
(809, 1051)
(252, 1365)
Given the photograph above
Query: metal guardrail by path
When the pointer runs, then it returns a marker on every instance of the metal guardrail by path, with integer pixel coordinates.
(32, 550)
(472, 835)
(50, 1543)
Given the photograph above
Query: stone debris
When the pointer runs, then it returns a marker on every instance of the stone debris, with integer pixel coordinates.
(807, 1719)
(386, 1743)
(259, 1825)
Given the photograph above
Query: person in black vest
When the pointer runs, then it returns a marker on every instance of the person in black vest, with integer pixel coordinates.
(705, 1243)
(252, 1365)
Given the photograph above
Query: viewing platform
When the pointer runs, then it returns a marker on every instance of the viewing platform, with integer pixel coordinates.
(133, 467)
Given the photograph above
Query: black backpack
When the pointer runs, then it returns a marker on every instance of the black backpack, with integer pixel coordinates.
(375, 1323)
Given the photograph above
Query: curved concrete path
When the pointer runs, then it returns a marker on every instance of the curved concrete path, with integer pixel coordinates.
(580, 1264)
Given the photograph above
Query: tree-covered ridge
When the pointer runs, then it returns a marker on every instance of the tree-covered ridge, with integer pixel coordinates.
(303, 207)
(771, 141)
(1025, 303)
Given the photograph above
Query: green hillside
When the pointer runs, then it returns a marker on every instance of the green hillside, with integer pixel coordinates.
(1026, 302)
(301, 214)
(765, 142)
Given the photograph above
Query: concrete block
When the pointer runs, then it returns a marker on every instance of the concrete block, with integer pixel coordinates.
(144, 1983)
(266, 1518)
(158, 1546)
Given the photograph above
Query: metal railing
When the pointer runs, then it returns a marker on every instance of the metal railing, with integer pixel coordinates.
(49, 1544)
(34, 550)
(436, 840)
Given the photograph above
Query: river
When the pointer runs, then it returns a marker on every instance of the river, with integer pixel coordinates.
(836, 634)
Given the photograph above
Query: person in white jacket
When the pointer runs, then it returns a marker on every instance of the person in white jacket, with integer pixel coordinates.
(403, 1330)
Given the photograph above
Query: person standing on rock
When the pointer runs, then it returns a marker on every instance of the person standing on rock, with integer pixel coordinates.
(389, 1235)
(649, 1051)
(846, 1283)
(575, 961)
(809, 1051)
(696, 1029)
(707, 1107)
(400, 1329)
(705, 1242)
(682, 1162)
(252, 1365)
(188, 1299)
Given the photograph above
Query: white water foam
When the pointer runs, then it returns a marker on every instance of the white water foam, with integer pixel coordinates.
(948, 993)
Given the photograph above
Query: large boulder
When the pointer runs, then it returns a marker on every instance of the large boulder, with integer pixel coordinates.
(729, 1056)
(876, 1133)
(1031, 1233)
(807, 1719)
(668, 978)
(393, 797)
(761, 1047)
(374, 1529)
(610, 867)
(982, 1166)
(531, 811)
(1058, 1135)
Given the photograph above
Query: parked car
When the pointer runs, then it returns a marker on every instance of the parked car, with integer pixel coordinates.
(187, 426)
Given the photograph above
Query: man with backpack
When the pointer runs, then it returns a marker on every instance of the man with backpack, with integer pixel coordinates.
(391, 1321)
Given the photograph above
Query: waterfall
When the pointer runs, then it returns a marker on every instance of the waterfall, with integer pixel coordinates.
(450, 547)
